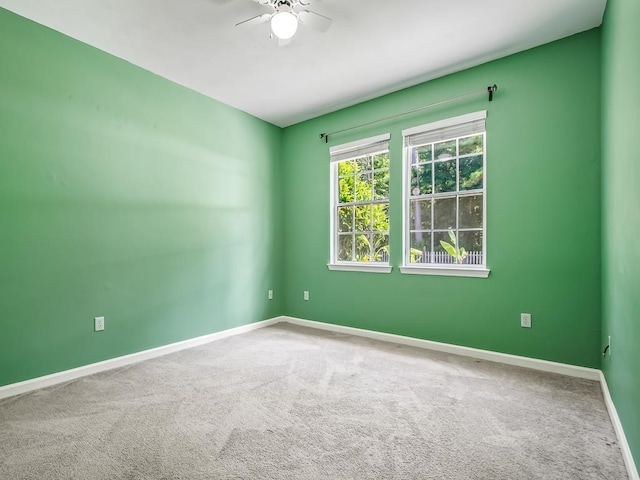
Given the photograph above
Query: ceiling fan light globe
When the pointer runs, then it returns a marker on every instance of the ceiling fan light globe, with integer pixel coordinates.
(284, 25)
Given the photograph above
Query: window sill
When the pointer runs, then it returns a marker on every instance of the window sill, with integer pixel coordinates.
(361, 267)
(450, 271)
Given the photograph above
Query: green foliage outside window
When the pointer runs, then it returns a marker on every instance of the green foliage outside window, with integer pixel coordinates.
(363, 225)
(458, 253)
(440, 173)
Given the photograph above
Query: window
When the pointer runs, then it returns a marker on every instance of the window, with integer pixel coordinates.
(444, 197)
(360, 205)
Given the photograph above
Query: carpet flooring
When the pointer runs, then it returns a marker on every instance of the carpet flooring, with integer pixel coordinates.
(287, 402)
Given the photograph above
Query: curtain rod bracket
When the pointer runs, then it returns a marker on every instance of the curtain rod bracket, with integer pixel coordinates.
(325, 137)
(490, 90)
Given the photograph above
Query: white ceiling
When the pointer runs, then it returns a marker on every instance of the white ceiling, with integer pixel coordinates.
(373, 46)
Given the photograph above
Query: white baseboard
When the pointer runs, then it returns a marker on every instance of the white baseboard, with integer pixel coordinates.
(544, 365)
(617, 426)
(67, 375)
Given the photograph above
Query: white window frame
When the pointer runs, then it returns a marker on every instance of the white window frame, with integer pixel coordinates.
(349, 151)
(480, 271)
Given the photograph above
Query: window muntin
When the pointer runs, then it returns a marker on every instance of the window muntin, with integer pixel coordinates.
(444, 192)
(361, 209)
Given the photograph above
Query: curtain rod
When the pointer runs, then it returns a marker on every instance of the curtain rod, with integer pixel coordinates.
(490, 90)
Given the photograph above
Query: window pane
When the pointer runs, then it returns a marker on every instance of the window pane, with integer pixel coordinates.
(381, 160)
(421, 180)
(381, 184)
(380, 248)
(471, 241)
(364, 186)
(420, 247)
(471, 145)
(380, 217)
(345, 248)
(363, 218)
(444, 212)
(446, 149)
(346, 167)
(420, 215)
(423, 153)
(363, 248)
(470, 211)
(445, 180)
(345, 186)
(345, 219)
(440, 254)
(471, 173)
(413, 155)
(363, 163)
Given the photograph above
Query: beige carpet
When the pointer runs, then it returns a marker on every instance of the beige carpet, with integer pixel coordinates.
(287, 402)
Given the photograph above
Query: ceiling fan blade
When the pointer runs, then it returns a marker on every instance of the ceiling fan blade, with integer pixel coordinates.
(314, 20)
(255, 20)
(282, 43)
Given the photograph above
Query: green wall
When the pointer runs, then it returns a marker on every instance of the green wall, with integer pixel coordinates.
(621, 212)
(543, 213)
(124, 195)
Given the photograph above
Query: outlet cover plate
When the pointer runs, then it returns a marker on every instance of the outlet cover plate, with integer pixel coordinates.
(98, 324)
(525, 320)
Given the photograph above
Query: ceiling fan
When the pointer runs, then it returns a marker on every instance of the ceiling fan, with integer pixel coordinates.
(286, 16)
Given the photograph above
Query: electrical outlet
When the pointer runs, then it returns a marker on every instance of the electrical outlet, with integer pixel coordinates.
(98, 324)
(270, 294)
(305, 295)
(525, 320)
